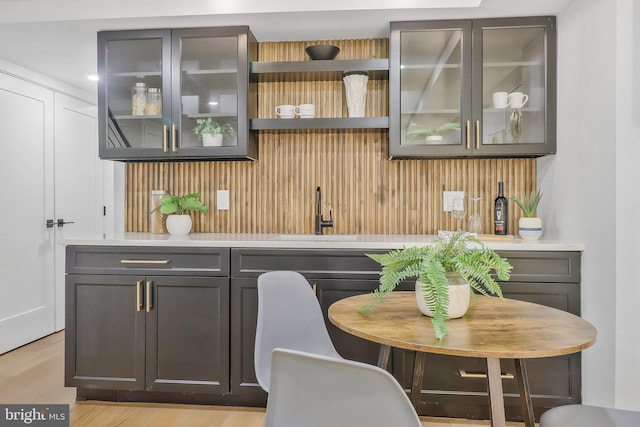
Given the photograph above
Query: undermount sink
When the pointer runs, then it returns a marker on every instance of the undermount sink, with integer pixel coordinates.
(316, 237)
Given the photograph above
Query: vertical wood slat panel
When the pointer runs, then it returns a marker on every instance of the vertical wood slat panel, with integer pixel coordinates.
(366, 192)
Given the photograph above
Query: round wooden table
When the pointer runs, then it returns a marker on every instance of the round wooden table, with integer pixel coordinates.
(492, 328)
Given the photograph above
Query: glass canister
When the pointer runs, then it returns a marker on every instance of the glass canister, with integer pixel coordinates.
(154, 102)
(138, 99)
(157, 219)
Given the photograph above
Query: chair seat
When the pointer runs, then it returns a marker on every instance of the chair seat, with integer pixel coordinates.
(589, 416)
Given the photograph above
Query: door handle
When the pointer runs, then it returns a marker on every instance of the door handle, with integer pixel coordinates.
(149, 296)
(174, 138)
(59, 222)
(139, 305)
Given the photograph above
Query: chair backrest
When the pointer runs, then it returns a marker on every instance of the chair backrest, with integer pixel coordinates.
(289, 316)
(589, 416)
(317, 391)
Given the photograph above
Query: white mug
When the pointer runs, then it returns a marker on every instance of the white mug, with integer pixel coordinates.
(306, 111)
(517, 99)
(500, 100)
(286, 111)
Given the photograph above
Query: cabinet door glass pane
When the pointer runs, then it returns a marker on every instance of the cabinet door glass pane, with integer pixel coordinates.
(209, 90)
(134, 81)
(430, 87)
(513, 87)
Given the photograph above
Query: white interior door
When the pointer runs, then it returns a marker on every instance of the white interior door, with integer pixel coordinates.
(26, 245)
(78, 182)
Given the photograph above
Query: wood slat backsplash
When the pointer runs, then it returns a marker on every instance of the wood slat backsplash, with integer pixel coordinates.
(367, 192)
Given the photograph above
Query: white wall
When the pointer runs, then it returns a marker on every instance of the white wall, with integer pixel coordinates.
(591, 185)
(627, 391)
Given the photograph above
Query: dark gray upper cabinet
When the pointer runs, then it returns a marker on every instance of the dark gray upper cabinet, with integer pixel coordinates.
(180, 75)
(442, 79)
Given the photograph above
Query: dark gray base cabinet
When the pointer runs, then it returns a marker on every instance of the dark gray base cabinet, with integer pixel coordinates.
(195, 343)
(160, 333)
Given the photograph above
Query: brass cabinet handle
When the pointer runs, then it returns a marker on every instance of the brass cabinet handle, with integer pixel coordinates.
(145, 261)
(477, 134)
(149, 302)
(465, 374)
(165, 140)
(314, 288)
(468, 134)
(138, 296)
(174, 139)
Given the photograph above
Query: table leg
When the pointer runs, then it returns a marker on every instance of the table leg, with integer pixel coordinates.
(496, 397)
(525, 394)
(418, 374)
(383, 356)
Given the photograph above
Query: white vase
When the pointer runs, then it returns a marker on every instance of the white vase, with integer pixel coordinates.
(179, 225)
(209, 140)
(530, 228)
(459, 296)
(355, 85)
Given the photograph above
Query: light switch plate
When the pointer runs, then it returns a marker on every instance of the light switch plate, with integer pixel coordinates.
(222, 200)
(447, 199)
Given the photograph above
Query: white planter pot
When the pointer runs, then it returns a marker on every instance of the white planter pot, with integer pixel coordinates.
(530, 228)
(459, 297)
(179, 225)
(209, 140)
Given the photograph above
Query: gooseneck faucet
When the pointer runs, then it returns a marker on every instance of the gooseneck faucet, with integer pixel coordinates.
(321, 223)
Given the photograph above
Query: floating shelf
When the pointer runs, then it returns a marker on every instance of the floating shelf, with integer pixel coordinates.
(377, 68)
(321, 123)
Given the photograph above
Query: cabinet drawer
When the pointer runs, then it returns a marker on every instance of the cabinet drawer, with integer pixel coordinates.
(544, 266)
(147, 260)
(312, 263)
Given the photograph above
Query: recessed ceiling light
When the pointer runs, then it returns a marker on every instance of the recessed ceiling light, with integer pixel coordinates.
(213, 103)
(93, 77)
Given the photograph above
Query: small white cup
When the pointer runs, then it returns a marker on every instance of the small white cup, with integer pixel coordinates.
(306, 111)
(286, 111)
(517, 99)
(500, 100)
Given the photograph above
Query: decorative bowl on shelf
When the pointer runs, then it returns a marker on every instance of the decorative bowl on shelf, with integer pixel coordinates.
(322, 51)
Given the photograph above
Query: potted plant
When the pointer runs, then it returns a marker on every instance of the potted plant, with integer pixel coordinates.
(529, 226)
(179, 223)
(212, 132)
(445, 270)
(419, 133)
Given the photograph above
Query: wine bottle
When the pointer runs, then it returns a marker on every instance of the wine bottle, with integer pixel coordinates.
(501, 212)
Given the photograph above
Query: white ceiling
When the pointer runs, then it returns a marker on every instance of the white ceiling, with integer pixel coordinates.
(58, 37)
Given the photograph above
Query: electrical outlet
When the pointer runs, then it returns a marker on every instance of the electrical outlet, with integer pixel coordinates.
(447, 199)
(222, 200)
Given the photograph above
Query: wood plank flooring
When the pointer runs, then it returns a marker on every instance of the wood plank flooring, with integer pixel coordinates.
(34, 374)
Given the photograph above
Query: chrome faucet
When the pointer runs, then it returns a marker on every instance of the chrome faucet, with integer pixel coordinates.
(321, 223)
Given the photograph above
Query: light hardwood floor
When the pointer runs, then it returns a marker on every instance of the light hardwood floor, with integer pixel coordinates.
(34, 374)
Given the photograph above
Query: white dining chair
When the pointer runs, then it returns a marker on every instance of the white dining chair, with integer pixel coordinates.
(317, 391)
(589, 416)
(289, 316)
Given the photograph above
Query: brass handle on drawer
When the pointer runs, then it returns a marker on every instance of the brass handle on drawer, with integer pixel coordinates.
(477, 134)
(138, 296)
(468, 134)
(165, 140)
(174, 138)
(149, 301)
(314, 288)
(465, 374)
(145, 261)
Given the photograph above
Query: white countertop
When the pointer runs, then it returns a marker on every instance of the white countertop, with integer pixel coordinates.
(300, 241)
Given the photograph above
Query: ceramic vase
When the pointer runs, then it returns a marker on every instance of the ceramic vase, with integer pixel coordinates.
(209, 140)
(459, 296)
(530, 228)
(179, 225)
(355, 85)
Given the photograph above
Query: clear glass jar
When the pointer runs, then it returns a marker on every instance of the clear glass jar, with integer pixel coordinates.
(138, 99)
(157, 219)
(154, 102)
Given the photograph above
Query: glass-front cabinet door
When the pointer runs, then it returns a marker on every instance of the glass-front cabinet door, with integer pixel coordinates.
(176, 94)
(472, 88)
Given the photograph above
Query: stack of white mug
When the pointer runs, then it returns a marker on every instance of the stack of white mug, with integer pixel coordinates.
(304, 111)
(514, 100)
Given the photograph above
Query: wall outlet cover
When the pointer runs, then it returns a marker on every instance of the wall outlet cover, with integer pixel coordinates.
(447, 199)
(222, 200)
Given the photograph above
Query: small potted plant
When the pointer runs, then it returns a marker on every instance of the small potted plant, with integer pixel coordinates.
(179, 223)
(446, 271)
(529, 225)
(212, 132)
(434, 135)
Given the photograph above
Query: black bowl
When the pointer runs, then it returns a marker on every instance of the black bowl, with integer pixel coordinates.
(322, 51)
